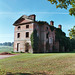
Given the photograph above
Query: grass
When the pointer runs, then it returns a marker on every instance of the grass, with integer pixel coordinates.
(39, 64)
(6, 49)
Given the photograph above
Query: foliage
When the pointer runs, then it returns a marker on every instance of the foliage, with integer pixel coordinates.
(7, 44)
(51, 27)
(42, 22)
(72, 33)
(34, 41)
(63, 40)
(47, 46)
(72, 44)
(59, 33)
(65, 4)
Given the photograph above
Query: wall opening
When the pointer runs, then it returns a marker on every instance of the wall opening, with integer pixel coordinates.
(18, 47)
(18, 35)
(19, 28)
(27, 26)
(27, 34)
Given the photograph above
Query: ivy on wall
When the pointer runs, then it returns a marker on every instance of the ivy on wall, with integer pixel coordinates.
(42, 22)
(51, 28)
(59, 36)
(63, 40)
(34, 41)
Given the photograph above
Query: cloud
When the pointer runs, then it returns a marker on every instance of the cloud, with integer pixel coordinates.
(14, 13)
(51, 13)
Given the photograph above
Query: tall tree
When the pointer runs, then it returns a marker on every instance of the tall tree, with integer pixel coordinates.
(65, 4)
(34, 41)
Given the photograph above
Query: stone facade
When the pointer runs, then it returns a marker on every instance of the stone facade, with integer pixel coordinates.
(24, 27)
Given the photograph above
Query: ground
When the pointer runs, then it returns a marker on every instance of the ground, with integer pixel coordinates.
(34, 64)
(39, 64)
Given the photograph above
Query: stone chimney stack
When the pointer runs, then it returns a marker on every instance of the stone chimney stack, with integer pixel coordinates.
(60, 26)
(33, 16)
(52, 23)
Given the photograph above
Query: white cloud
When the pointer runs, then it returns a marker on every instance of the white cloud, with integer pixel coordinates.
(14, 13)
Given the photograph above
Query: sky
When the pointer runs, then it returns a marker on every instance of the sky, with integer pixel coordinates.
(11, 10)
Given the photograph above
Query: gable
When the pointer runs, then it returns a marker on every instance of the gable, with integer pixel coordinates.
(22, 20)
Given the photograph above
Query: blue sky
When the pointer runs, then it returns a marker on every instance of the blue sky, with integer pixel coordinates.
(11, 10)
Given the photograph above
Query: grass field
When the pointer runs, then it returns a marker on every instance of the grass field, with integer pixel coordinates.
(39, 64)
(6, 49)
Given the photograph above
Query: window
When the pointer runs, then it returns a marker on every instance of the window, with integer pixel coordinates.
(50, 40)
(19, 27)
(47, 28)
(27, 34)
(18, 35)
(47, 35)
(27, 26)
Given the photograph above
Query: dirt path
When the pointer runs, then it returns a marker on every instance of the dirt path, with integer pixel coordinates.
(5, 56)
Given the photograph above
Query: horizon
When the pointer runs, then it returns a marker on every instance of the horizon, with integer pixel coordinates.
(10, 11)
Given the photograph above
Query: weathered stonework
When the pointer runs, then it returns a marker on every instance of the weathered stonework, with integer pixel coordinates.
(25, 34)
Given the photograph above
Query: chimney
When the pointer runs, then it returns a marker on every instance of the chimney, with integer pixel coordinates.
(33, 17)
(60, 26)
(52, 23)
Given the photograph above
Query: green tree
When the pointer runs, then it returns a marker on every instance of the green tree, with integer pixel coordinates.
(65, 4)
(34, 41)
(72, 33)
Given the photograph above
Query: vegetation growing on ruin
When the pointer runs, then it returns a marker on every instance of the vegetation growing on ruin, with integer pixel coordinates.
(65, 4)
(63, 40)
(34, 41)
(59, 36)
(42, 22)
(51, 27)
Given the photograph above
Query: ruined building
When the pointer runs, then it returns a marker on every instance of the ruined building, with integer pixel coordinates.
(46, 33)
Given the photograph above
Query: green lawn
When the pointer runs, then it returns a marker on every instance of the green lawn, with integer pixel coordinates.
(6, 49)
(39, 64)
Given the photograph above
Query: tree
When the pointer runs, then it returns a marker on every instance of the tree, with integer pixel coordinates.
(72, 33)
(65, 4)
(34, 41)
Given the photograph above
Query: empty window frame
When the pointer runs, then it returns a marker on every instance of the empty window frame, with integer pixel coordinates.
(47, 35)
(27, 34)
(27, 26)
(18, 35)
(18, 27)
(47, 28)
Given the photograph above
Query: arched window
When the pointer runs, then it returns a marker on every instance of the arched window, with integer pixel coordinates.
(19, 28)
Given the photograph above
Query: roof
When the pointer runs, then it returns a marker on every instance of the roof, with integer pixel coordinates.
(23, 17)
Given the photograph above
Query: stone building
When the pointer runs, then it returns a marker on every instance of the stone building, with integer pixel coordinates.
(25, 26)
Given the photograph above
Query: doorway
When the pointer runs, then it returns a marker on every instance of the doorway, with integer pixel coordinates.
(18, 47)
(27, 46)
